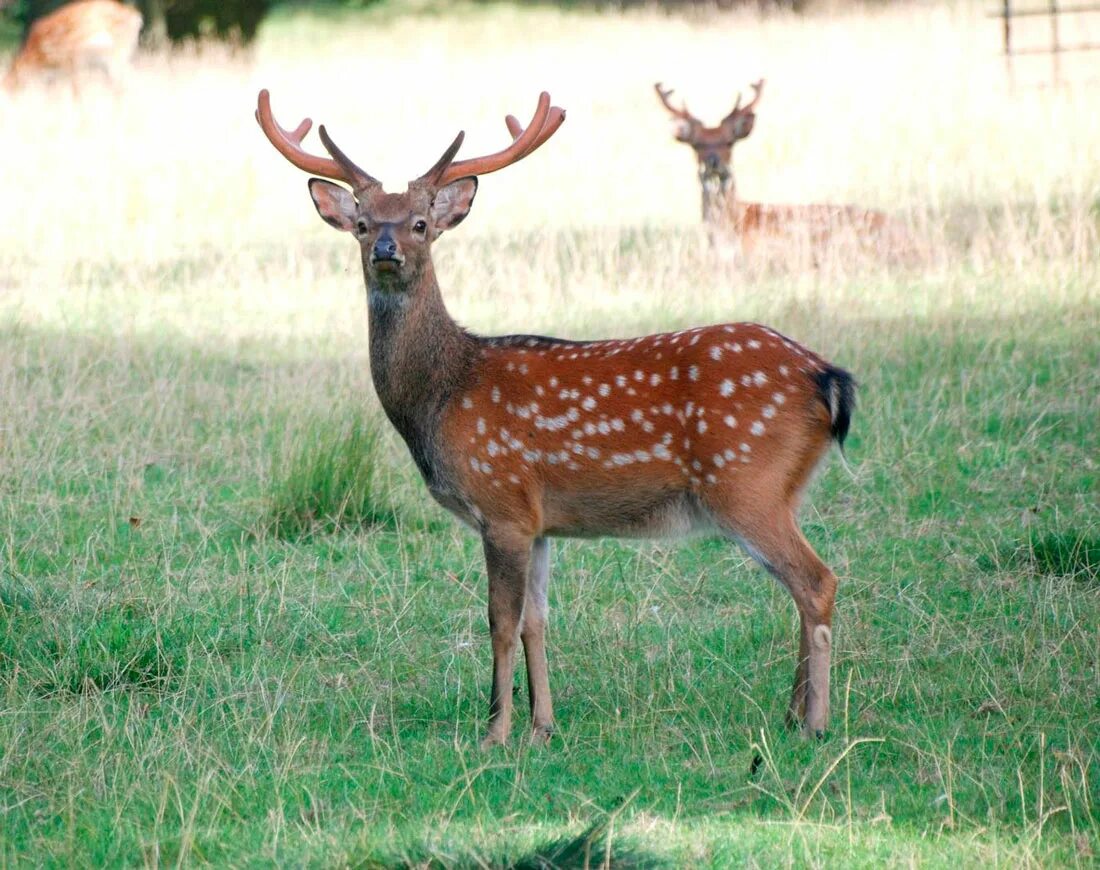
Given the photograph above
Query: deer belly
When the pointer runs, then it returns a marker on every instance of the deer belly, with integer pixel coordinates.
(624, 513)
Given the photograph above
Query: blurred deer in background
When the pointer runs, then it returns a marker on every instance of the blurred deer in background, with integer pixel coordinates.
(525, 438)
(752, 223)
(81, 36)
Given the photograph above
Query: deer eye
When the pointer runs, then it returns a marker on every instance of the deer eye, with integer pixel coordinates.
(420, 226)
(362, 228)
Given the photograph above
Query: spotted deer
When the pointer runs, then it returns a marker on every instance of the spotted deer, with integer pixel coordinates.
(526, 438)
(752, 223)
(85, 35)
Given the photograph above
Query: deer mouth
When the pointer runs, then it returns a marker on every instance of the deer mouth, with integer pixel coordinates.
(387, 264)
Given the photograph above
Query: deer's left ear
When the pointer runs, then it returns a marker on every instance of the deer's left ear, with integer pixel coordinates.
(741, 125)
(452, 203)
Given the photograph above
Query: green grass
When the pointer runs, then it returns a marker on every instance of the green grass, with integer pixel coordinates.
(181, 683)
(324, 478)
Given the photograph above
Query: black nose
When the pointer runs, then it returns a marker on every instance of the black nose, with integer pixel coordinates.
(384, 249)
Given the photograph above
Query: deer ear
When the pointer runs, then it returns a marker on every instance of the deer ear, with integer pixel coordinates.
(452, 203)
(683, 131)
(740, 125)
(334, 203)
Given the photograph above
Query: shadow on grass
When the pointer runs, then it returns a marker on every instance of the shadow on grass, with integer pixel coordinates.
(593, 847)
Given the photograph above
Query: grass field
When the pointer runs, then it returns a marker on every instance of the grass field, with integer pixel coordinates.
(234, 630)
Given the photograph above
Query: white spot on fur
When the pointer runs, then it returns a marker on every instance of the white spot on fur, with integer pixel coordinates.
(768, 412)
(716, 353)
(730, 421)
(726, 387)
(693, 373)
(467, 403)
(702, 427)
(759, 378)
(757, 428)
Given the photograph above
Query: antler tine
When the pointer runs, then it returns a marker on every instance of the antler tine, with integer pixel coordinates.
(746, 110)
(544, 123)
(289, 144)
(554, 119)
(359, 178)
(682, 113)
(757, 87)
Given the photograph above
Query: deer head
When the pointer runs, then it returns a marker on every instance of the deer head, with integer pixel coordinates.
(395, 230)
(713, 146)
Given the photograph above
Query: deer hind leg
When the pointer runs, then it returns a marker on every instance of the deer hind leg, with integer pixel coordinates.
(782, 549)
(506, 561)
(533, 634)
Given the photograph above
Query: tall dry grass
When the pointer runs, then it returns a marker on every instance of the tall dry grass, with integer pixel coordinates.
(162, 207)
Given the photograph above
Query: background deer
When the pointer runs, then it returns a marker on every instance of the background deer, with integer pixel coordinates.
(86, 35)
(525, 438)
(751, 222)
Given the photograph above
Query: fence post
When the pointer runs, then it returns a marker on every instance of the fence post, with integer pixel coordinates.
(1055, 44)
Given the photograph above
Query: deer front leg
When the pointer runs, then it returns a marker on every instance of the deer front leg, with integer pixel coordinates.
(535, 613)
(506, 561)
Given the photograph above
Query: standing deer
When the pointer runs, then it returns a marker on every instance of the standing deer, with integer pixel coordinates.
(85, 35)
(525, 438)
(753, 222)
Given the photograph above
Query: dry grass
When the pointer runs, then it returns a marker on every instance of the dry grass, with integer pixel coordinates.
(905, 109)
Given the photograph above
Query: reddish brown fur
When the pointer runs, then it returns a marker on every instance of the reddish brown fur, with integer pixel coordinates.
(87, 34)
(525, 438)
(713, 409)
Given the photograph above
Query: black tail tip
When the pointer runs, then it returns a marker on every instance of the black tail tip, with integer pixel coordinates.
(837, 389)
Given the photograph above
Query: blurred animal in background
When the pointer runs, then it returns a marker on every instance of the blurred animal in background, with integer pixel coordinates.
(85, 36)
(810, 228)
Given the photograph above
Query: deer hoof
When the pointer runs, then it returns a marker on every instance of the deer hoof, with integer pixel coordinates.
(541, 734)
(490, 741)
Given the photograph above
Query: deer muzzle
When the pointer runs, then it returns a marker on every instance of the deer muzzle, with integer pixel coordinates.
(385, 254)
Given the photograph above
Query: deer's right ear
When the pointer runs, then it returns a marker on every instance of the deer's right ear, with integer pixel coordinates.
(334, 203)
(683, 131)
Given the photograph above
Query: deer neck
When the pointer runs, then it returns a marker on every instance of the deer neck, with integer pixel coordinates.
(419, 357)
(721, 207)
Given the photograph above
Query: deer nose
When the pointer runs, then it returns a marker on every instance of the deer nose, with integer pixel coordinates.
(712, 163)
(385, 248)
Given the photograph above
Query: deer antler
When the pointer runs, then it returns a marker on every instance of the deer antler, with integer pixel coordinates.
(757, 87)
(544, 123)
(289, 144)
(682, 113)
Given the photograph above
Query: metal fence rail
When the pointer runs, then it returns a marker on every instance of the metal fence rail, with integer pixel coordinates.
(1056, 47)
